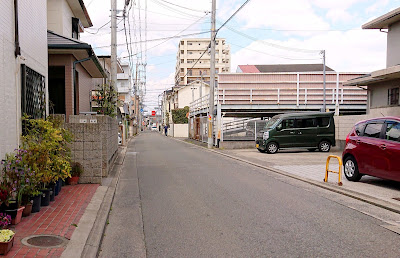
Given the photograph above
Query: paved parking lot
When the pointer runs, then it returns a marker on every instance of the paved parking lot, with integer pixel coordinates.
(311, 165)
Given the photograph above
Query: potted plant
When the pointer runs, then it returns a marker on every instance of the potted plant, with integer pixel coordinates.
(50, 155)
(16, 174)
(6, 240)
(76, 172)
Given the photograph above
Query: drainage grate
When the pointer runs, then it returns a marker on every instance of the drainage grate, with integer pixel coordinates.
(44, 241)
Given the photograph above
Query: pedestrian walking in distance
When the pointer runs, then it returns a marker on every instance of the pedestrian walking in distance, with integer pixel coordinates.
(166, 129)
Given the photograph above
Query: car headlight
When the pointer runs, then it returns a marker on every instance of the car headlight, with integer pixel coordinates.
(265, 135)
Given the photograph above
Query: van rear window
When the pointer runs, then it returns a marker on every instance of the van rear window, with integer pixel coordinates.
(323, 121)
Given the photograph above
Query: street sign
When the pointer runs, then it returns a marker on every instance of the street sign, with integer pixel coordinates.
(153, 113)
(141, 110)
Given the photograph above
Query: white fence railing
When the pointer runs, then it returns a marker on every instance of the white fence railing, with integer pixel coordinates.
(288, 96)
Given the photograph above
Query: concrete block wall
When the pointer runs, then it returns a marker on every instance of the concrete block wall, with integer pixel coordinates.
(95, 145)
(344, 124)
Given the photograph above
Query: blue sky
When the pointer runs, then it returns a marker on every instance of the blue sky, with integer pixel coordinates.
(263, 32)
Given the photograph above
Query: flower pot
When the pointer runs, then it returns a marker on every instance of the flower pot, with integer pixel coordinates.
(73, 180)
(28, 210)
(16, 215)
(52, 192)
(6, 246)
(56, 189)
(45, 197)
(60, 184)
(36, 203)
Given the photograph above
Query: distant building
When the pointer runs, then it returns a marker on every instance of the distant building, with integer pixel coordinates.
(383, 85)
(124, 87)
(289, 87)
(190, 50)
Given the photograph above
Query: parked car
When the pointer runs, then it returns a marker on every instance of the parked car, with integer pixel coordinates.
(154, 128)
(310, 130)
(373, 148)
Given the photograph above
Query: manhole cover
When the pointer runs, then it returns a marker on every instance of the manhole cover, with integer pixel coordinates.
(44, 241)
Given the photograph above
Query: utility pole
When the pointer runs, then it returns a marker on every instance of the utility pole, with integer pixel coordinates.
(323, 58)
(212, 77)
(113, 83)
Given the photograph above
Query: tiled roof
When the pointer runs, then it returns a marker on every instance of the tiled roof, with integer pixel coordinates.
(287, 68)
(55, 40)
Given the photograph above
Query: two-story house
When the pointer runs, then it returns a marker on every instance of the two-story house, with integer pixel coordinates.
(72, 64)
(23, 67)
(383, 85)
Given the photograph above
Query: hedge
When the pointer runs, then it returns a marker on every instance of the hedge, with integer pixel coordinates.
(179, 115)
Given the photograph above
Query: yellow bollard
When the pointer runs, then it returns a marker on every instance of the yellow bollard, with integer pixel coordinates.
(336, 172)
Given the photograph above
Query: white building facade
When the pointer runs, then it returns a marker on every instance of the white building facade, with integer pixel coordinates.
(193, 60)
(23, 67)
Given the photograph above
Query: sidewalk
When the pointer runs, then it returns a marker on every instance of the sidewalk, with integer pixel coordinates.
(58, 219)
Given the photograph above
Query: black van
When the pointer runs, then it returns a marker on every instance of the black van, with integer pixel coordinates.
(310, 130)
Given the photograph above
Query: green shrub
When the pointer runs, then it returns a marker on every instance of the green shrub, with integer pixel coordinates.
(179, 115)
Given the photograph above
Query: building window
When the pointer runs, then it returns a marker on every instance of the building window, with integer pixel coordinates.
(190, 72)
(190, 53)
(189, 43)
(33, 93)
(393, 96)
(182, 51)
(182, 42)
(75, 28)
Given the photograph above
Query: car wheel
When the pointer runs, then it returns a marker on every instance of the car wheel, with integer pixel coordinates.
(262, 151)
(351, 169)
(272, 147)
(313, 149)
(324, 146)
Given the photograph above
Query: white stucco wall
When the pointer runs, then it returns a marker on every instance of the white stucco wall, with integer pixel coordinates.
(393, 46)
(59, 17)
(33, 42)
(181, 130)
(187, 94)
(378, 93)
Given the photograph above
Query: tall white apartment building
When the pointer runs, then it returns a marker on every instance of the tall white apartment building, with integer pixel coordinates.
(190, 50)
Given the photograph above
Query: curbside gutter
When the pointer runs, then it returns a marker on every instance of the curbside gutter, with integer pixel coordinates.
(333, 188)
(86, 239)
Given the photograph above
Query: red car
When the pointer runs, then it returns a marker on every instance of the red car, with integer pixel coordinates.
(373, 148)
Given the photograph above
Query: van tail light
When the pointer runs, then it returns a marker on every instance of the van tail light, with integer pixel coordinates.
(347, 138)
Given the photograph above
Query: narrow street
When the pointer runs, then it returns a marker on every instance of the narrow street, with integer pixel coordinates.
(189, 202)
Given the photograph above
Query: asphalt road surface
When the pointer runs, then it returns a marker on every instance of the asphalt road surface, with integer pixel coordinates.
(175, 199)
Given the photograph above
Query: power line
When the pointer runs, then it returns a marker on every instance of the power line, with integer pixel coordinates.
(240, 8)
(151, 40)
(261, 52)
(185, 7)
(173, 10)
(272, 44)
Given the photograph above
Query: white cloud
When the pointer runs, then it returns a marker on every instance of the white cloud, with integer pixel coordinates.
(338, 15)
(288, 14)
(351, 51)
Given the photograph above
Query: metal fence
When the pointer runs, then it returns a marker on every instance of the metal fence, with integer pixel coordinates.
(241, 129)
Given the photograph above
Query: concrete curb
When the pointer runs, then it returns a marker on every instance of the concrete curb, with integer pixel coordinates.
(86, 239)
(333, 188)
